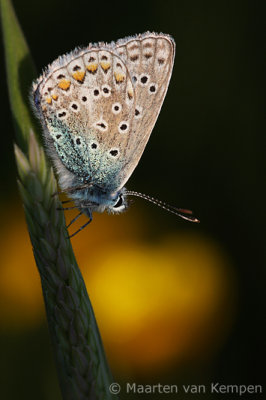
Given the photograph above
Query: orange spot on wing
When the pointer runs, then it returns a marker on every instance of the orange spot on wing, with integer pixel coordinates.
(54, 96)
(79, 76)
(105, 66)
(92, 67)
(48, 100)
(64, 84)
(130, 94)
(119, 77)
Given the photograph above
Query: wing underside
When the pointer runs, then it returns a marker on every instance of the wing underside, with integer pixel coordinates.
(100, 104)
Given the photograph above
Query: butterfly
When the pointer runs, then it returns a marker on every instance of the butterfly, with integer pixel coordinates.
(98, 106)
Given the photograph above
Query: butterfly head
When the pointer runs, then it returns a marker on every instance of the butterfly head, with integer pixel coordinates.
(94, 199)
(116, 203)
(119, 204)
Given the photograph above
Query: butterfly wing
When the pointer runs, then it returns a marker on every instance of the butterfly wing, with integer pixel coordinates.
(99, 105)
(149, 59)
(87, 105)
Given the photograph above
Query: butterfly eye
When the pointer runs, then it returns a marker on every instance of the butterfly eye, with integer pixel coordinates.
(119, 202)
(120, 205)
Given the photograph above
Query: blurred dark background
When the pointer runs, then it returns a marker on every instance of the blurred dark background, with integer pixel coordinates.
(207, 153)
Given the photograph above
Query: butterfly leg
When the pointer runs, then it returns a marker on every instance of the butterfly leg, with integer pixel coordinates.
(66, 208)
(74, 219)
(56, 194)
(82, 227)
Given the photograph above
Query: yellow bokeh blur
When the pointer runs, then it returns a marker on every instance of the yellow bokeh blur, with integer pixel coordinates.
(162, 303)
(156, 303)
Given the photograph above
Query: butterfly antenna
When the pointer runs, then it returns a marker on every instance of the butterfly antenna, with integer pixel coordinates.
(180, 212)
